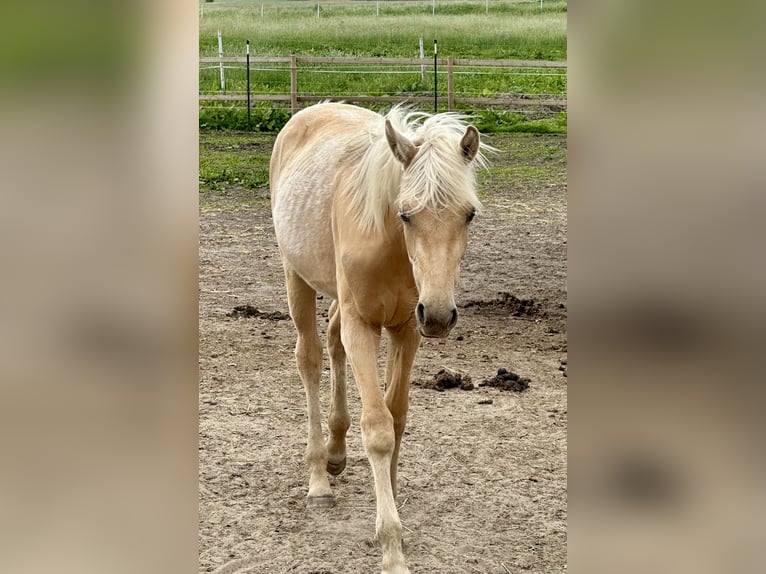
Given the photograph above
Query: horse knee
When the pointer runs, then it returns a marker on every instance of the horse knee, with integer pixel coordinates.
(308, 354)
(378, 433)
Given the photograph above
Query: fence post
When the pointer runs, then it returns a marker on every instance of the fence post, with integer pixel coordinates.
(248, 85)
(220, 55)
(293, 84)
(436, 82)
(450, 84)
(422, 57)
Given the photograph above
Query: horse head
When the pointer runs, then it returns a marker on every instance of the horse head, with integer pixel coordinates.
(436, 203)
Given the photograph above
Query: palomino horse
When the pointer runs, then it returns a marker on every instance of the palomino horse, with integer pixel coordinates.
(374, 213)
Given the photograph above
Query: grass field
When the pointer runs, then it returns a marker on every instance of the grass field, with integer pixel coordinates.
(511, 30)
(238, 160)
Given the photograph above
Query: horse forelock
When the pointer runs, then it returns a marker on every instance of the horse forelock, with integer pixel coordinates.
(437, 179)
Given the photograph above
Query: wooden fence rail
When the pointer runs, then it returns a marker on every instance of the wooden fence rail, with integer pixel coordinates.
(386, 61)
(450, 98)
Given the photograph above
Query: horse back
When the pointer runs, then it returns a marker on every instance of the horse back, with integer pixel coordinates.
(306, 164)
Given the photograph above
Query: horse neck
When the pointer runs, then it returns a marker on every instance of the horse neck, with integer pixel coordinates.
(392, 240)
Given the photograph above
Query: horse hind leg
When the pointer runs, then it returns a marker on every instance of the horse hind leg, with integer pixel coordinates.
(339, 419)
(308, 354)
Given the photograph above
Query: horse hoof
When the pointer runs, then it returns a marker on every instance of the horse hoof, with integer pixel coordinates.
(326, 501)
(335, 468)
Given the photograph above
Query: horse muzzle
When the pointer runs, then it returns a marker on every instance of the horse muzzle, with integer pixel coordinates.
(435, 322)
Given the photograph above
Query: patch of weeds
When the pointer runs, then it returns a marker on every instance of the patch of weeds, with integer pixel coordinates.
(263, 118)
(233, 160)
(216, 169)
(503, 121)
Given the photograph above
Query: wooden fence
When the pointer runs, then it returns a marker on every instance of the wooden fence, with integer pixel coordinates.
(295, 98)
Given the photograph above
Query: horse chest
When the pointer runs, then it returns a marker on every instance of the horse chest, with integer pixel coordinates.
(381, 285)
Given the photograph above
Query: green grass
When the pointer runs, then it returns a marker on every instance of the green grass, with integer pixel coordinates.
(529, 150)
(234, 159)
(263, 117)
(348, 80)
(533, 161)
(266, 118)
(235, 164)
(503, 121)
(510, 30)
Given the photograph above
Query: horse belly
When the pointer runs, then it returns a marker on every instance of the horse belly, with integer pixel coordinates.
(302, 214)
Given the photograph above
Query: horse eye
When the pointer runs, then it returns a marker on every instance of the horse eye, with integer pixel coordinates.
(404, 217)
(470, 216)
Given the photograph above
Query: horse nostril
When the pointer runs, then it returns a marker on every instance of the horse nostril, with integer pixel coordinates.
(420, 311)
(454, 318)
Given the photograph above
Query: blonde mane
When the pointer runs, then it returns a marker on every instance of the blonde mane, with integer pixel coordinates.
(438, 177)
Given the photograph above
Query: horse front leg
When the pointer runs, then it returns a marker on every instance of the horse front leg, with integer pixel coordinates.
(308, 354)
(361, 341)
(403, 344)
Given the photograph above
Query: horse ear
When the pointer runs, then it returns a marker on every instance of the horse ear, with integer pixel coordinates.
(469, 145)
(403, 149)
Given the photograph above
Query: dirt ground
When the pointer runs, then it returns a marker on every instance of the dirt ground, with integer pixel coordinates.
(482, 479)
